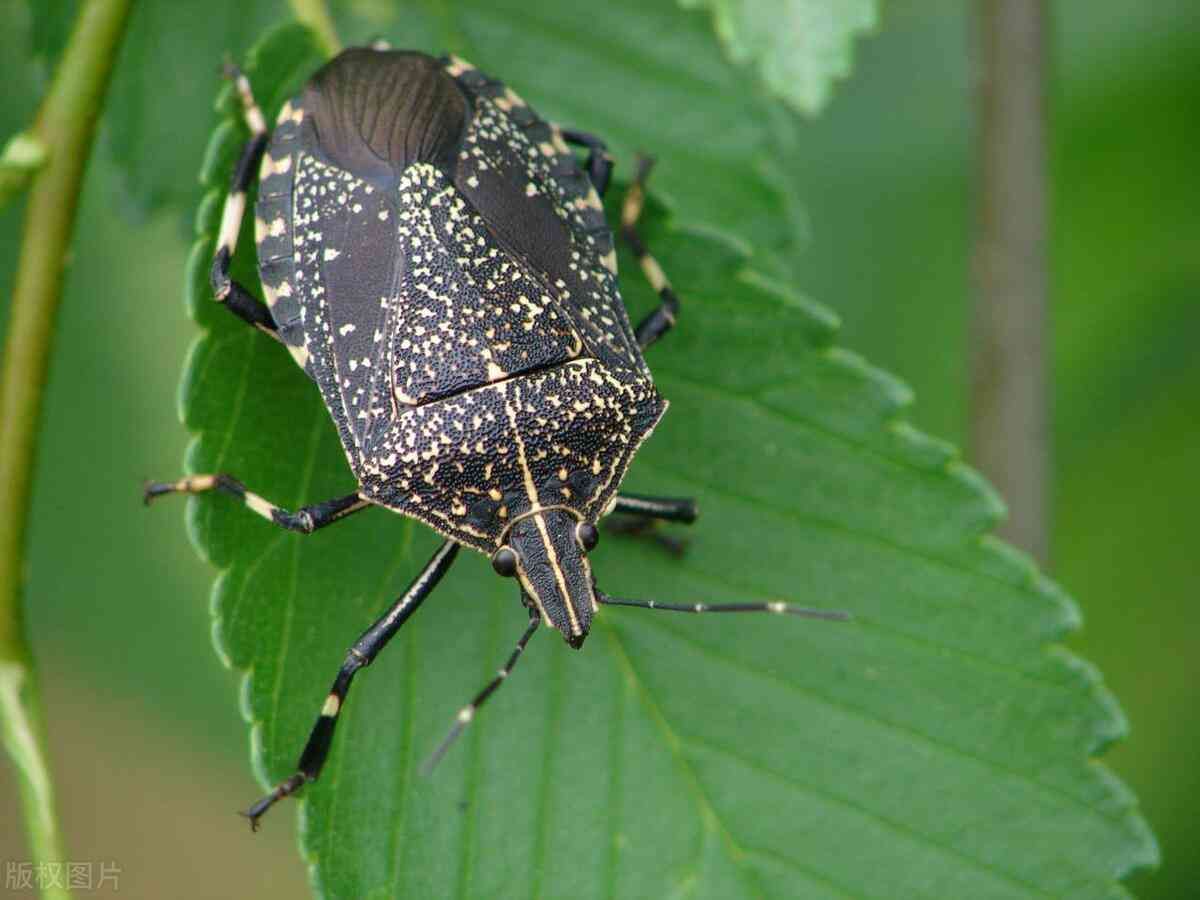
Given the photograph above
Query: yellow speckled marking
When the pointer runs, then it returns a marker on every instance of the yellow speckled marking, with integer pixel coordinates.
(272, 166)
(289, 113)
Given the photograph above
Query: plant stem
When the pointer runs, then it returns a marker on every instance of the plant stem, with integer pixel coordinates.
(315, 14)
(65, 126)
(1009, 394)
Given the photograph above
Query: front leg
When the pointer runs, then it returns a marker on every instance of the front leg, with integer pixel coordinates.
(236, 298)
(598, 164)
(305, 520)
(662, 319)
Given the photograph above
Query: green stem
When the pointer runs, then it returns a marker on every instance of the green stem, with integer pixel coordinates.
(65, 126)
(315, 14)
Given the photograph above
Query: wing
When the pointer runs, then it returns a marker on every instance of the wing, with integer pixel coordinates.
(525, 182)
(403, 299)
(437, 240)
(467, 313)
(346, 264)
(329, 257)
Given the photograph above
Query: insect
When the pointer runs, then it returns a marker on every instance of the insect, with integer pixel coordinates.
(434, 256)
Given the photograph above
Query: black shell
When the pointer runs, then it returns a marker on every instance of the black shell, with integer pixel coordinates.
(437, 261)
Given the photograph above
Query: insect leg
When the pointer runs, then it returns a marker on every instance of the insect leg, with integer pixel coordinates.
(467, 713)
(638, 514)
(236, 298)
(670, 509)
(305, 520)
(365, 649)
(599, 164)
(662, 319)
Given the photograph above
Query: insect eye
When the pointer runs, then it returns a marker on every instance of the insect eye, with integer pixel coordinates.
(504, 561)
(588, 535)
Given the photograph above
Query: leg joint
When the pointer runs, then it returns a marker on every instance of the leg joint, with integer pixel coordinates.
(219, 274)
(301, 520)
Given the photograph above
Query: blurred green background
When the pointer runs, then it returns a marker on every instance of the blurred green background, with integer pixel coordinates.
(146, 738)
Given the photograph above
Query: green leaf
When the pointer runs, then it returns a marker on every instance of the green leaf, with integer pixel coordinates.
(798, 46)
(156, 121)
(938, 746)
(50, 27)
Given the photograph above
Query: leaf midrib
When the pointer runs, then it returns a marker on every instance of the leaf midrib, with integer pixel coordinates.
(709, 817)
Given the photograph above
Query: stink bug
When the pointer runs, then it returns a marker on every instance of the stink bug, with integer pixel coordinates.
(436, 259)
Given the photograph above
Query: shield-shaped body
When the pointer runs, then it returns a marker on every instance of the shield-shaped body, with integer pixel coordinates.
(439, 264)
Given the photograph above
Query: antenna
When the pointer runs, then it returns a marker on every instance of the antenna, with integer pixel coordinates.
(467, 713)
(778, 608)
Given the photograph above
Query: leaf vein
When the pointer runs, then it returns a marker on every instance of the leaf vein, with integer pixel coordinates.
(873, 719)
(747, 589)
(708, 812)
(812, 790)
(839, 528)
